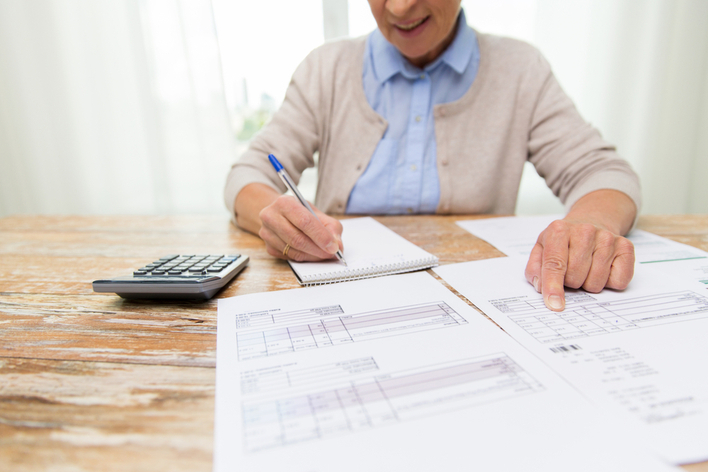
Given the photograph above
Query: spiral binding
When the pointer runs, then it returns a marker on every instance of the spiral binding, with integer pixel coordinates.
(346, 275)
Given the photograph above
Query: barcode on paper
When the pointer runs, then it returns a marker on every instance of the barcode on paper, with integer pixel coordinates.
(568, 348)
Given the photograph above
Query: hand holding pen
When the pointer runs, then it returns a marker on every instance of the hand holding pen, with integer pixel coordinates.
(303, 233)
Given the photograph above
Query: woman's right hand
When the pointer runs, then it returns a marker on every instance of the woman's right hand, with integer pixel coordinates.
(282, 222)
(290, 231)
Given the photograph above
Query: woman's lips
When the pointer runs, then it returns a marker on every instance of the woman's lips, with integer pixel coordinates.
(412, 28)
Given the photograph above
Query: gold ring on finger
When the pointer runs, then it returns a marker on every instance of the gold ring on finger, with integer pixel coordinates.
(285, 251)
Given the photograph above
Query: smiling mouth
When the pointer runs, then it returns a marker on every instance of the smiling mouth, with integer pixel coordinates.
(412, 26)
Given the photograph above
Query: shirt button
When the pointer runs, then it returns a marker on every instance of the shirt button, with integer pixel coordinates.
(441, 112)
(358, 167)
(444, 162)
(418, 118)
(422, 76)
(410, 210)
(413, 167)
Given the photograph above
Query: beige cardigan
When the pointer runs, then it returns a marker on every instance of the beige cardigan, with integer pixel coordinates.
(515, 110)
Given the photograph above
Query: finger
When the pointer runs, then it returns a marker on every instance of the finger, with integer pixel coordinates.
(302, 248)
(271, 239)
(622, 269)
(334, 226)
(554, 264)
(533, 267)
(277, 228)
(311, 226)
(602, 259)
(292, 254)
(276, 247)
(581, 246)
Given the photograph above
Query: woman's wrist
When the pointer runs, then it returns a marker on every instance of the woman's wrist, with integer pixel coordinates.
(609, 209)
(249, 202)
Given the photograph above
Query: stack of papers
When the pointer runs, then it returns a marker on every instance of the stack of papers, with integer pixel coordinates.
(398, 373)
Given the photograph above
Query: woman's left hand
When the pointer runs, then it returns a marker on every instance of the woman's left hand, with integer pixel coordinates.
(578, 255)
(584, 250)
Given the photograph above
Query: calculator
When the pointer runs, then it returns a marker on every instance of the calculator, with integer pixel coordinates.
(177, 277)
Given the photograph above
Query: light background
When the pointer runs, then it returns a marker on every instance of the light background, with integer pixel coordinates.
(133, 106)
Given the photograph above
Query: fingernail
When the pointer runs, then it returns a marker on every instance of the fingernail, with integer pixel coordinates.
(555, 302)
(332, 247)
(535, 284)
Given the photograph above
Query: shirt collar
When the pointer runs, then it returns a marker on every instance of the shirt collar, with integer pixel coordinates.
(388, 61)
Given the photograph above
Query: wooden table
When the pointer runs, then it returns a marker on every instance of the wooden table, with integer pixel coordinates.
(93, 382)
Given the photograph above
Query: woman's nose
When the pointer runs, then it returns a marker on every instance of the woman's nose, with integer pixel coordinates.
(400, 8)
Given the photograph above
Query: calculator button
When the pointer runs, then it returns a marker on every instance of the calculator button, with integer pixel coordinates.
(174, 272)
(140, 272)
(169, 258)
(215, 269)
(158, 272)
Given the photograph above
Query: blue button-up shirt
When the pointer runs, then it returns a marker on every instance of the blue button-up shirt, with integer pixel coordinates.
(402, 176)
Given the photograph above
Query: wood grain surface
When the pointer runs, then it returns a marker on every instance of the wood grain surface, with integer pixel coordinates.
(90, 381)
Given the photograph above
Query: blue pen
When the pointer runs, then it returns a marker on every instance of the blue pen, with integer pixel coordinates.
(291, 185)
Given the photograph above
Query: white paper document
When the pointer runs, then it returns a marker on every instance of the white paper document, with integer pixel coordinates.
(516, 236)
(641, 354)
(396, 373)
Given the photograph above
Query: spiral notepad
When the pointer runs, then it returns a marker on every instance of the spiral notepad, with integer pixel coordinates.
(371, 250)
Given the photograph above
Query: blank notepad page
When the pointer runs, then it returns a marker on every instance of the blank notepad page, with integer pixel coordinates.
(370, 249)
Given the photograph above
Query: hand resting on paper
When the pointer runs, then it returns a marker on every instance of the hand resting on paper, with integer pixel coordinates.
(287, 228)
(585, 249)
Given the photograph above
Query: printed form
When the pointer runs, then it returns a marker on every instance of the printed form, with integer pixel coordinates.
(396, 373)
(640, 354)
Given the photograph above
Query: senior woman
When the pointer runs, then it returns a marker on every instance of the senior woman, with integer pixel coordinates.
(425, 115)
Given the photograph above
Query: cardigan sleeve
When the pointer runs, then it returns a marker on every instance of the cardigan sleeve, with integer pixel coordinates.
(293, 135)
(567, 151)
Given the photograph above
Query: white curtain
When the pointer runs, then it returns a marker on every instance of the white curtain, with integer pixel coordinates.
(111, 106)
(638, 71)
(117, 106)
